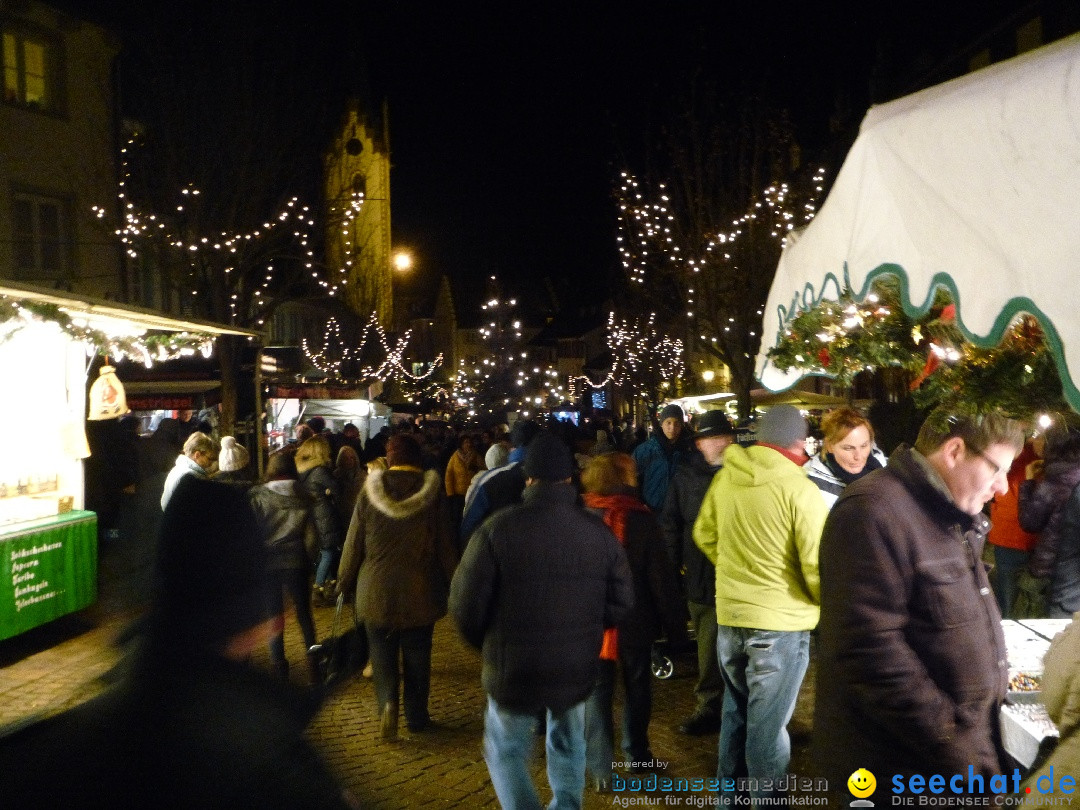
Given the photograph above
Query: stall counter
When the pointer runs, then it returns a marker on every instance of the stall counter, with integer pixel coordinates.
(48, 568)
(1027, 734)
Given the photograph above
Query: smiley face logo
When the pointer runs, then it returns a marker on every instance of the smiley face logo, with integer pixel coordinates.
(861, 783)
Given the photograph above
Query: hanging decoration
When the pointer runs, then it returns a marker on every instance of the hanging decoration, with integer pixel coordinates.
(125, 341)
(107, 397)
(843, 338)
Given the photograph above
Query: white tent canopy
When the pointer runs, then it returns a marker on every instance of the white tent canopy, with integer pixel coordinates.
(973, 184)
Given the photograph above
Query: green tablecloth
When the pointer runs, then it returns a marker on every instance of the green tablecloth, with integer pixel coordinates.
(48, 568)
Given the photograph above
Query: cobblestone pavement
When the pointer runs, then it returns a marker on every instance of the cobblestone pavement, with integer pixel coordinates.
(60, 665)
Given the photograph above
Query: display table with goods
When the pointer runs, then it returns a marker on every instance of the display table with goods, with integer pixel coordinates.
(48, 568)
(1026, 730)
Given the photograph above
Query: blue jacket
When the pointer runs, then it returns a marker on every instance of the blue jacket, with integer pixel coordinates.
(656, 459)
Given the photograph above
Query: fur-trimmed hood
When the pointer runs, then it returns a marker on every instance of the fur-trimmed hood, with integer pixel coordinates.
(394, 492)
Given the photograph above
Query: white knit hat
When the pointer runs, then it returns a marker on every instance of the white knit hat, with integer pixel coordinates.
(233, 456)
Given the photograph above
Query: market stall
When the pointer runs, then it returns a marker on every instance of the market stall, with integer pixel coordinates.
(1026, 731)
(48, 541)
(288, 405)
(968, 185)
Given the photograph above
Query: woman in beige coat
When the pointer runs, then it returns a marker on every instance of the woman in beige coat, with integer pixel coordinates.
(399, 554)
(1061, 695)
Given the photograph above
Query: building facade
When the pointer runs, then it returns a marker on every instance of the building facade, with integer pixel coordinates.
(57, 141)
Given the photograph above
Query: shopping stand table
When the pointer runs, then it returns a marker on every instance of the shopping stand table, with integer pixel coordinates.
(1026, 731)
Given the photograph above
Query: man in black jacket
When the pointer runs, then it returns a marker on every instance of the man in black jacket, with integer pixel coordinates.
(536, 587)
(691, 480)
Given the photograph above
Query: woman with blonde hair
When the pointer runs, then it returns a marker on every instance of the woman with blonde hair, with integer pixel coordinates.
(847, 454)
(315, 468)
(610, 484)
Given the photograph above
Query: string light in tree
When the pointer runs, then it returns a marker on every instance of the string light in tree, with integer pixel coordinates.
(642, 357)
(334, 354)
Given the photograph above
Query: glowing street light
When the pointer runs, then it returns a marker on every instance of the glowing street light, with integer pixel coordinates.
(403, 260)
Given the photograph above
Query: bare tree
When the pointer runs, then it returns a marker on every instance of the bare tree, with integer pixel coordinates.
(700, 239)
(225, 139)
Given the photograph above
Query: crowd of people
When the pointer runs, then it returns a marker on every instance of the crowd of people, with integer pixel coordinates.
(564, 555)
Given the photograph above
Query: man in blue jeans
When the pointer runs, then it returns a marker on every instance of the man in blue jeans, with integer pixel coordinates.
(760, 525)
(536, 587)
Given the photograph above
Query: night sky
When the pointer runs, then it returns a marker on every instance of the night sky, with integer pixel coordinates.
(509, 121)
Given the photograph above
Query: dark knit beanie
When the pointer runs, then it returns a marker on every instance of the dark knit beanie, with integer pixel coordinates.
(548, 459)
(210, 575)
(524, 431)
(671, 411)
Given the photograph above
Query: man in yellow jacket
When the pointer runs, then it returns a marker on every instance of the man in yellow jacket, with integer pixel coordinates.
(760, 525)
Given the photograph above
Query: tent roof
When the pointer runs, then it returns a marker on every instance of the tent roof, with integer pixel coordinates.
(972, 185)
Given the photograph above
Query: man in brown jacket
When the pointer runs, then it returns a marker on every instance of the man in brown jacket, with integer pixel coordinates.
(912, 667)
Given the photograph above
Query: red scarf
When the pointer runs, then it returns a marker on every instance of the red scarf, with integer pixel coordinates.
(616, 509)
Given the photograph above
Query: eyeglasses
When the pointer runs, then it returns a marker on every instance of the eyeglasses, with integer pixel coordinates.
(997, 468)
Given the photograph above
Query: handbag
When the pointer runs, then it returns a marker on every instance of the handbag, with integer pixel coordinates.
(344, 653)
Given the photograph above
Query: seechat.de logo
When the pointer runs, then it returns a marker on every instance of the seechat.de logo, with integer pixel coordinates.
(862, 784)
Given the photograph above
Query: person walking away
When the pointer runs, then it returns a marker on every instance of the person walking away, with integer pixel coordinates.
(197, 459)
(760, 525)
(538, 584)
(283, 516)
(313, 464)
(848, 453)
(190, 723)
(400, 558)
(1011, 544)
(912, 666)
(1050, 506)
(503, 485)
(656, 458)
(691, 480)
(464, 463)
(350, 473)
(610, 486)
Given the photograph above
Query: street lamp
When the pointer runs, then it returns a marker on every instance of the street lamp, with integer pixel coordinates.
(403, 260)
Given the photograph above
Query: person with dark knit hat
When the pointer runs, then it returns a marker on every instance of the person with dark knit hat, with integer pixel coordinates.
(760, 525)
(189, 723)
(538, 584)
(656, 457)
(400, 557)
(714, 433)
(502, 486)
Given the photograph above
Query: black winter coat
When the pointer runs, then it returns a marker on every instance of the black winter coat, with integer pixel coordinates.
(659, 609)
(693, 474)
(197, 731)
(536, 587)
(323, 488)
(911, 657)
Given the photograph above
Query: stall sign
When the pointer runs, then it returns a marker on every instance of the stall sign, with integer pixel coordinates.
(48, 572)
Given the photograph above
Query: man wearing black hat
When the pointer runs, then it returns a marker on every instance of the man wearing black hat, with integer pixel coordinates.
(657, 457)
(691, 480)
(503, 485)
(537, 586)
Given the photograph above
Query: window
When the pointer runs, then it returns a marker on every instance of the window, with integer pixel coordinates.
(27, 71)
(39, 236)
